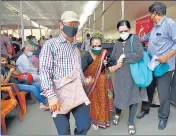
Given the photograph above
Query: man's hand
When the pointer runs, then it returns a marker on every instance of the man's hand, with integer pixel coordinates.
(13, 63)
(12, 70)
(141, 29)
(54, 105)
(10, 56)
(162, 59)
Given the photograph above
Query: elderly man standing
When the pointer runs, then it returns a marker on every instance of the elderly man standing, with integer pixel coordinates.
(162, 44)
(61, 78)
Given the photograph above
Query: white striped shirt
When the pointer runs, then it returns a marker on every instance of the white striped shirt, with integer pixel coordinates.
(56, 61)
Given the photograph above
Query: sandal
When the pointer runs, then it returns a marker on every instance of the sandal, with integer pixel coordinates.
(95, 127)
(131, 129)
(116, 119)
(43, 107)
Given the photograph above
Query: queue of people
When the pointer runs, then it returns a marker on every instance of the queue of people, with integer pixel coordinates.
(82, 85)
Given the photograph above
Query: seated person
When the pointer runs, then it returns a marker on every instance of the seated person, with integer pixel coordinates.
(7, 76)
(25, 65)
(18, 55)
(35, 59)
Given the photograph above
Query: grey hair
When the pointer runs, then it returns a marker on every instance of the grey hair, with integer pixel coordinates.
(28, 47)
(159, 8)
(95, 38)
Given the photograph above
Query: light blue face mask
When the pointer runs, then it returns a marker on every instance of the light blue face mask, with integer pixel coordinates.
(30, 53)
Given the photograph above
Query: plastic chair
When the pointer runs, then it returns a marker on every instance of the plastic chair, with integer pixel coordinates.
(7, 106)
(21, 97)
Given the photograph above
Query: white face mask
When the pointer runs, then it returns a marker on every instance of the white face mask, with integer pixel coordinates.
(124, 35)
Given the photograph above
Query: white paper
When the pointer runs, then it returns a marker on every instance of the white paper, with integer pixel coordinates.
(153, 63)
(54, 115)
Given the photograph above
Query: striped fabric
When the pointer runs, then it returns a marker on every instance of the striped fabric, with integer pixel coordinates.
(56, 62)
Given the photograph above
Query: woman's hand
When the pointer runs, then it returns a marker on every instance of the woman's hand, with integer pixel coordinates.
(105, 62)
(88, 80)
(12, 70)
(116, 67)
(119, 65)
(121, 58)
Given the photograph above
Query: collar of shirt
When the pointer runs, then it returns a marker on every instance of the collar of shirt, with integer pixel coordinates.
(64, 40)
(161, 21)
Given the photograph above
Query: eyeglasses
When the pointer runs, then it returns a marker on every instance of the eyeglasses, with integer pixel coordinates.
(96, 46)
(72, 24)
(123, 31)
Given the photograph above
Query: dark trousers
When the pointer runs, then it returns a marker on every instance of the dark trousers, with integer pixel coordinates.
(150, 92)
(173, 88)
(82, 121)
(163, 84)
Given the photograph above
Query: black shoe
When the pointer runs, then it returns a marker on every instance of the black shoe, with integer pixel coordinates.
(162, 124)
(142, 114)
(154, 105)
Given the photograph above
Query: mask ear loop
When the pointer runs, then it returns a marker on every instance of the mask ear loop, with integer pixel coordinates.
(153, 17)
(154, 12)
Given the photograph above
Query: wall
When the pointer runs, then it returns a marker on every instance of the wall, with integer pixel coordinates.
(113, 34)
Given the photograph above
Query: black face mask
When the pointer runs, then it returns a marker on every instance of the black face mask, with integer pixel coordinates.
(70, 31)
(4, 65)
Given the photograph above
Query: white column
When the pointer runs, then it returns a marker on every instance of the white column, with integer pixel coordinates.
(122, 9)
(89, 23)
(19, 31)
(22, 23)
(0, 28)
(40, 31)
(83, 30)
(82, 34)
(94, 21)
(103, 20)
(30, 26)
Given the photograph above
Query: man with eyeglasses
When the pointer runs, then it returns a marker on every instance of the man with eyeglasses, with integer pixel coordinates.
(162, 44)
(62, 77)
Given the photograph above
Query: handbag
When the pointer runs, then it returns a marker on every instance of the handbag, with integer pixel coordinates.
(140, 72)
(69, 89)
(161, 69)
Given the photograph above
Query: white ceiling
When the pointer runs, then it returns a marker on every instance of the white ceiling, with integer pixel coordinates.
(47, 13)
(11, 20)
(133, 11)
